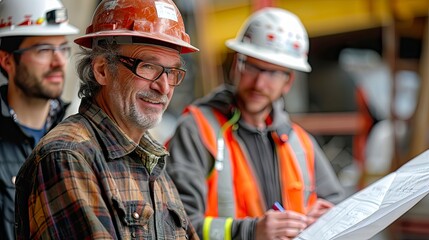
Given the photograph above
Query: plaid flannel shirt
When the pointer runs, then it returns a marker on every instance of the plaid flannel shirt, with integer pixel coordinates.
(87, 180)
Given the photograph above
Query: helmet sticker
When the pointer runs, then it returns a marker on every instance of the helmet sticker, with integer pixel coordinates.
(7, 23)
(57, 16)
(166, 10)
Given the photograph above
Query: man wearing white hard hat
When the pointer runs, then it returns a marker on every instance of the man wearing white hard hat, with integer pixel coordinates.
(243, 169)
(33, 57)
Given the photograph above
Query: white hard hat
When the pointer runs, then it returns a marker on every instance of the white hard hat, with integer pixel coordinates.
(276, 36)
(34, 18)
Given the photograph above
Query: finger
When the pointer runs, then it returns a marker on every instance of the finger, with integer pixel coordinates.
(324, 204)
(292, 232)
(317, 213)
(293, 215)
(289, 228)
(283, 238)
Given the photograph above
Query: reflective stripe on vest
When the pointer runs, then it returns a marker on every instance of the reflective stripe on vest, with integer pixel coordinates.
(217, 228)
(236, 177)
(222, 202)
(208, 124)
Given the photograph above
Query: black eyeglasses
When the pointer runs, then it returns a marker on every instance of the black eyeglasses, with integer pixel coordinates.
(45, 52)
(151, 71)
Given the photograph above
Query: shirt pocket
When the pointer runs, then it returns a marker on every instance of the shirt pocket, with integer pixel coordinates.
(135, 218)
(176, 222)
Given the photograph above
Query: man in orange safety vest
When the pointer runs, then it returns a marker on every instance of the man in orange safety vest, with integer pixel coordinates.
(236, 152)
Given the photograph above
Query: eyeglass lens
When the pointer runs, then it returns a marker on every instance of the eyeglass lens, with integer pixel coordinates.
(255, 71)
(45, 52)
(152, 72)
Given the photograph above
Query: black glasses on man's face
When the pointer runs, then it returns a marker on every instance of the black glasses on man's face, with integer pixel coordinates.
(152, 71)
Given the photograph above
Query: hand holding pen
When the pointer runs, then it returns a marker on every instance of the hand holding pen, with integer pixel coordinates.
(278, 207)
(278, 223)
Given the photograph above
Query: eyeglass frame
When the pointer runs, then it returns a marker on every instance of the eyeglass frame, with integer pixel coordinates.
(66, 54)
(133, 63)
(262, 70)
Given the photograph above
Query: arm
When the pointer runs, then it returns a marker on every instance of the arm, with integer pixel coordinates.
(64, 199)
(328, 186)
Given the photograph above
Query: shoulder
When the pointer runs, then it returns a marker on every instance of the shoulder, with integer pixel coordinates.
(68, 142)
(73, 136)
(187, 118)
(73, 129)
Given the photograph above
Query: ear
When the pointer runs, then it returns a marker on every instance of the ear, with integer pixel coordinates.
(7, 62)
(99, 67)
(288, 84)
(234, 71)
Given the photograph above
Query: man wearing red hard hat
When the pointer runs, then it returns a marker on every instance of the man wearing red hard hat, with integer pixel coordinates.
(99, 174)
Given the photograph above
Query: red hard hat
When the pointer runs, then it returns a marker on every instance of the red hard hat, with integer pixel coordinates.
(138, 21)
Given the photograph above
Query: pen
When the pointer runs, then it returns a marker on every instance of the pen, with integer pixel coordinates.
(278, 207)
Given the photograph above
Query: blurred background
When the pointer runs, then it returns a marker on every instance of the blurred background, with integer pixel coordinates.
(366, 100)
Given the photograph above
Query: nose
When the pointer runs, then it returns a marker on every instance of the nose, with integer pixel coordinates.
(161, 84)
(261, 79)
(58, 58)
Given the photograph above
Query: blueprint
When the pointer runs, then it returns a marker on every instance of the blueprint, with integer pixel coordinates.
(372, 209)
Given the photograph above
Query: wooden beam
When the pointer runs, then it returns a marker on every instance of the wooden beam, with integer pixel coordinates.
(420, 126)
(341, 123)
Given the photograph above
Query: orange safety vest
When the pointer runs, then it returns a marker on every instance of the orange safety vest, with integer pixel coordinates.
(233, 190)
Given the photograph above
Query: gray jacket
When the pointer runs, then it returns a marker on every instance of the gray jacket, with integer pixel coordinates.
(190, 162)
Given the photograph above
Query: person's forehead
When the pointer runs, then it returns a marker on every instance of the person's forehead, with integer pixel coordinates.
(150, 52)
(265, 64)
(148, 47)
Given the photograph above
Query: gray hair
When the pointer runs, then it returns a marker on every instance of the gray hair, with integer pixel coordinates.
(89, 86)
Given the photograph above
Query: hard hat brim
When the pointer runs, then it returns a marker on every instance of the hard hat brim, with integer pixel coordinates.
(42, 30)
(86, 40)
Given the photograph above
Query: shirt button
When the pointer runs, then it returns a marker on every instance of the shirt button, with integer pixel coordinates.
(136, 215)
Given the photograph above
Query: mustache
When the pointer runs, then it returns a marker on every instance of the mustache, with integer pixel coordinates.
(55, 70)
(153, 97)
(255, 91)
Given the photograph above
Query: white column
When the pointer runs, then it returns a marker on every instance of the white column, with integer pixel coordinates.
(80, 15)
